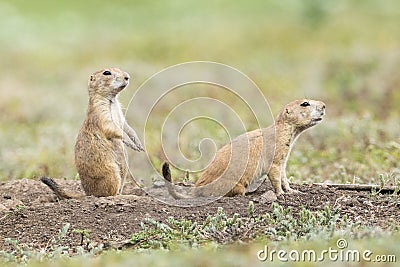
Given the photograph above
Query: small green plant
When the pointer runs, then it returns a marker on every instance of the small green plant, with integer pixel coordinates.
(22, 254)
(84, 233)
(166, 235)
(279, 224)
(394, 177)
(386, 179)
(20, 207)
(54, 250)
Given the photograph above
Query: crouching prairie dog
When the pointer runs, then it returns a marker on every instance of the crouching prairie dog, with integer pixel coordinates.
(266, 152)
(100, 155)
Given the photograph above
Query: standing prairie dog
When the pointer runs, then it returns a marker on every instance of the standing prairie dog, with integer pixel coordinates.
(265, 152)
(100, 155)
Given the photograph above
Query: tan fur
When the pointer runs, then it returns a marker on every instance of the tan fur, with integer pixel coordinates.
(100, 155)
(268, 152)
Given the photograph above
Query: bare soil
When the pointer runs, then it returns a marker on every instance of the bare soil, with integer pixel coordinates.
(30, 213)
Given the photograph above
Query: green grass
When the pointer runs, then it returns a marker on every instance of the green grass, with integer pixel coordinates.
(235, 255)
(291, 50)
(342, 52)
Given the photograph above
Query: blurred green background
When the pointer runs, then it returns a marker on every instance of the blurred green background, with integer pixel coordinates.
(346, 53)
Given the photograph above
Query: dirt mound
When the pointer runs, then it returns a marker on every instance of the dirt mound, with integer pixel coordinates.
(30, 213)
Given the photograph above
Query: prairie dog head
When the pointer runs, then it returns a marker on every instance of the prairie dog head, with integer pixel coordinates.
(303, 113)
(108, 82)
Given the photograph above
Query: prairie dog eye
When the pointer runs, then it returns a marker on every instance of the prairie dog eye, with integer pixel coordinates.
(305, 104)
(106, 72)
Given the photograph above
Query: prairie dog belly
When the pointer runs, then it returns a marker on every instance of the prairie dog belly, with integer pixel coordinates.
(116, 114)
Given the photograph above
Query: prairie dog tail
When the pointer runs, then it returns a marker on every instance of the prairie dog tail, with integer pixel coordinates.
(59, 192)
(167, 176)
(166, 172)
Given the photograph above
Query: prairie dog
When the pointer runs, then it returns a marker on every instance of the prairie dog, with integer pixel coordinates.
(100, 155)
(266, 152)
